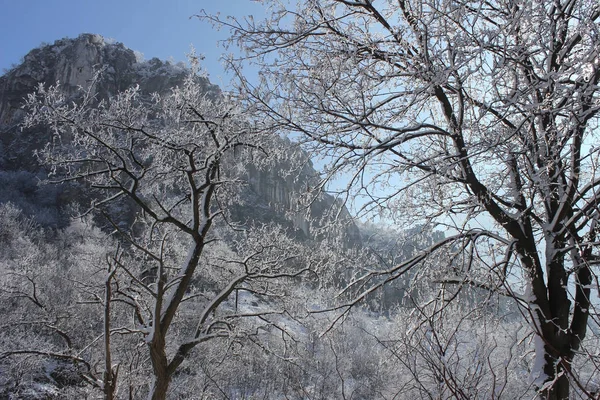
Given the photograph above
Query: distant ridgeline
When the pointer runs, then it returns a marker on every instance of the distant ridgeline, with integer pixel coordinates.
(268, 197)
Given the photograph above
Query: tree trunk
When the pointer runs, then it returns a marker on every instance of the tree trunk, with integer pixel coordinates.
(160, 387)
(160, 365)
(559, 390)
(110, 374)
(558, 355)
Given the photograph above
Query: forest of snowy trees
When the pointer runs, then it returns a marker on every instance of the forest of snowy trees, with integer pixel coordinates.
(164, 238)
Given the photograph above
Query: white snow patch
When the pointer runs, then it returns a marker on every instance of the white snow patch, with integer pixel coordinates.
(538, 376)
(139, 56)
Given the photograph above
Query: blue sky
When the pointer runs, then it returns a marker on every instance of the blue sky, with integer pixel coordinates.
(157, 28)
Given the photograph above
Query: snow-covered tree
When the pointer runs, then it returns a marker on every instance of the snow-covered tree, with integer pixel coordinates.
(49, 328)
(479, 119)
(176, 160)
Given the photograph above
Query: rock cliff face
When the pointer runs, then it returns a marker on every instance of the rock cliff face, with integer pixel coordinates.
(74, 63)
(70, 62)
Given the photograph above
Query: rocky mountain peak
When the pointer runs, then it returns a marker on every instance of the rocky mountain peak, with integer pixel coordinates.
(74, 62)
